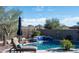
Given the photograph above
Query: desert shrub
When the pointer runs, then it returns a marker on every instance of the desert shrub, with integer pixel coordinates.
(36, 33)
(66, 44)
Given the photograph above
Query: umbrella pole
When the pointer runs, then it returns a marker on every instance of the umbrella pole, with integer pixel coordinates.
(20, 39)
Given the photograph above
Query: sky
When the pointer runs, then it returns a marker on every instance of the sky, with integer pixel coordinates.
(34, 15)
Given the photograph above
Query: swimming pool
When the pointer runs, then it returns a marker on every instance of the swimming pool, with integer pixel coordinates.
(47, 46)
(42, 46)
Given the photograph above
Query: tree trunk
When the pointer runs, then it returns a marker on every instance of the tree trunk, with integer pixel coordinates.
(4, 40)
(8, 36)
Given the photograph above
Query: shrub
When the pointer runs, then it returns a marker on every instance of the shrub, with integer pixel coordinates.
(36, 33)
(67, 44)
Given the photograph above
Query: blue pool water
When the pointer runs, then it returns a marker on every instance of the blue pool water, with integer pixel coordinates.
(46, 46)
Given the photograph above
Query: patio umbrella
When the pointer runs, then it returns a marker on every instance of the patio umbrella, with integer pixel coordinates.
(19, 32)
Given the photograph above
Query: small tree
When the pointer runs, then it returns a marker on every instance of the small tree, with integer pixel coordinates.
(66, 44)
(52, 23)
(8, 22)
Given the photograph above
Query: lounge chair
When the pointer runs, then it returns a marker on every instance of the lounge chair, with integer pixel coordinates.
(18, 48)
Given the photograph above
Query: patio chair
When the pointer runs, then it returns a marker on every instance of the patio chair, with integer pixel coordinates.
(18, 48)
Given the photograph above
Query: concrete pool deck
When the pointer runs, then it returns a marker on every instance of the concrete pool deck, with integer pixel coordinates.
(42, 51)
(58, 50)
(45, 51)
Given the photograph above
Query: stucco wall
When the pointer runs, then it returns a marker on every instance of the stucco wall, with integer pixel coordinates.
(59, 34)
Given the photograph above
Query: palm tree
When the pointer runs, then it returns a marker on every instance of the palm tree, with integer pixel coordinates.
(8, 22)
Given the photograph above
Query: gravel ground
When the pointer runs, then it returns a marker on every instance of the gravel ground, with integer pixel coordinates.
(2, 48)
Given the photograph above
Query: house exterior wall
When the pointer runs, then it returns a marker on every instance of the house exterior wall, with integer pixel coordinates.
(60, 34)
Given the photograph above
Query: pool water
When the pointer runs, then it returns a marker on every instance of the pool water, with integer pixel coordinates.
(46, 46)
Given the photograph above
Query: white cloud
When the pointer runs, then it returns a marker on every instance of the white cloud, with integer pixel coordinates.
(34, 22)
(70, 21)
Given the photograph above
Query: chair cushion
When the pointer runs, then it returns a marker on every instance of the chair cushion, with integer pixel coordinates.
(30, 47)
(16, 41)
(18, 46)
